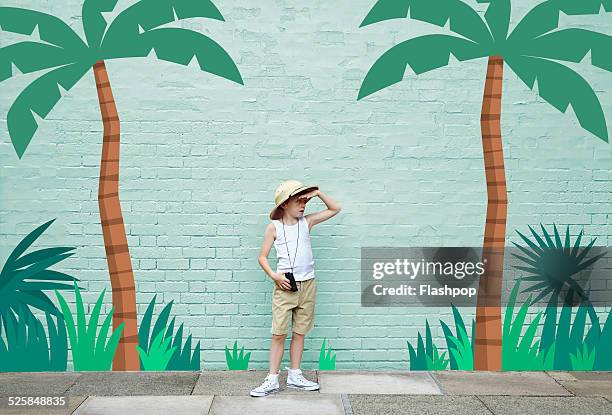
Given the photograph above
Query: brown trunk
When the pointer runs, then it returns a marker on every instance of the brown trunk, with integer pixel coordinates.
(488, 334)
(113, 230)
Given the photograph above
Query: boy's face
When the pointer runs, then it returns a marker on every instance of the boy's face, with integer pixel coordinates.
(295, 206)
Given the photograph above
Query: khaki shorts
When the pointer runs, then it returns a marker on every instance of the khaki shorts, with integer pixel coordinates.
(298, 306)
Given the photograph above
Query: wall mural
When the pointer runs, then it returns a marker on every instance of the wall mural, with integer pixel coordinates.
(531, 49)
(527, 50)
(134, 32)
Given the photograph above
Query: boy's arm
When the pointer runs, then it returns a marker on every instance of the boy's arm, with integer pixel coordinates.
(280, 280)
(332, 210)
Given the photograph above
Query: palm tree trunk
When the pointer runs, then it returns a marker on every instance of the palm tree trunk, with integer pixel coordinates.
(113, 230)
(488, 334)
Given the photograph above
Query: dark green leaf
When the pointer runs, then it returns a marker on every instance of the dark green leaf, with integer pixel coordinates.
(533, 246)
(560, 86)
(50, 28)
(94, 24)
(422, 54)
(30, 57)
(39, 255)
(557, 238)
(533, 255)
(24, 244)
(498, 18)
(547, 237)
(463, 19)
(572, 45)
(39, 97)
(149, 14)
(541, 19)
(178, 46)
(577, 244)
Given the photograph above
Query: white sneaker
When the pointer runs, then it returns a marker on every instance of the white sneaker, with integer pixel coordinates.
(296, 380)
(269, 385)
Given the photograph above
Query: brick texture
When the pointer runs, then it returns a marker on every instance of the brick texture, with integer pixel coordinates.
(201, 156)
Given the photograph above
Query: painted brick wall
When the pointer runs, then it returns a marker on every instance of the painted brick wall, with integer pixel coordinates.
(201, 156)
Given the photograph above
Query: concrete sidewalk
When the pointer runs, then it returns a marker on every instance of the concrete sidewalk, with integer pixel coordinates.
(341, 393)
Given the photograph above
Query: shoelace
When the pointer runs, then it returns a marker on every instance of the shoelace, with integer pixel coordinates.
(267, 382)
(300, 378)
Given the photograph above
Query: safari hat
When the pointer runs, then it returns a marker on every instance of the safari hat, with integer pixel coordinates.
(284, 191)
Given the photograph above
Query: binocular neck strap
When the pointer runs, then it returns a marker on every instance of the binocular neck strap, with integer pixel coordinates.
(296, 243)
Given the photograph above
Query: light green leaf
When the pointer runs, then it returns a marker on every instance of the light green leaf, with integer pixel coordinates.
(93, 21)
(463, 19)
(50, 28)
(40, 97)
(180, 46)
(422, 54)
(560, 86)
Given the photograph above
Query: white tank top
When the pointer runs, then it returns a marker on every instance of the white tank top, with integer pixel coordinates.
(303, 261)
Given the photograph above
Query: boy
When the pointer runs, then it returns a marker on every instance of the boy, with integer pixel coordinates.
(290, 234)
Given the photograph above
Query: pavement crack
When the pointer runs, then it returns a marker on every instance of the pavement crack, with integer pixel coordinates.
(484, 404)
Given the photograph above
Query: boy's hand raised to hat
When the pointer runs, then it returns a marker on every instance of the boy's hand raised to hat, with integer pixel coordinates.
(309, 195)
(281, 281)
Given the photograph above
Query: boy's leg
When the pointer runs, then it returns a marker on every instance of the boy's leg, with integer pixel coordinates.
(296, 349)
(303, 321)
(277, 349)
(283, 303)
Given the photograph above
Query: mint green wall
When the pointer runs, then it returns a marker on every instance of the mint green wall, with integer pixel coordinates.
(201, 156)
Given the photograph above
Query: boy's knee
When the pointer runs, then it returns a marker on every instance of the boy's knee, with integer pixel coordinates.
(297, 335)
(279, 337)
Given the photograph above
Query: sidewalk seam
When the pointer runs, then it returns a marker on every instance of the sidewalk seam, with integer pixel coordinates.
(437, 382)
(196, 382)
(346, 403)
(81, 404)
(212, 401)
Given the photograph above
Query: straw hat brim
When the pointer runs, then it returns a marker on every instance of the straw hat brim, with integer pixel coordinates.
(274, 214)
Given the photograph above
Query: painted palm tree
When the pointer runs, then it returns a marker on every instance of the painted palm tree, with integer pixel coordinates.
(532, 50)
(134, 32)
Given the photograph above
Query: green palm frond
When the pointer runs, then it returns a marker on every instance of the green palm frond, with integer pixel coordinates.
(544, 17)
(94, 24)
(24, 278)
(149, 14)
(462, 18)
(179, 46)
(551, 263)
(572, 45)
(39, 97)
(29, 57)
(422, 54)
(560, 86)
(497, 17)
(573, 7)
(50, 28)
